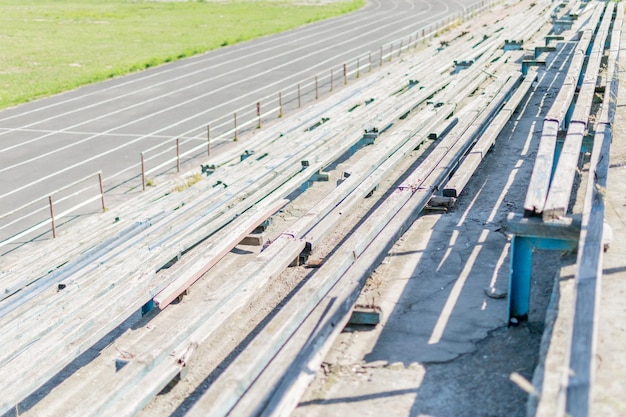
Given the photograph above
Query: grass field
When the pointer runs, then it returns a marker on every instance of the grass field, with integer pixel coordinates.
(49, 46)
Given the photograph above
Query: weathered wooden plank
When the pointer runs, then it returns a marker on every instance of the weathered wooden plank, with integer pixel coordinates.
(282, 398)
(558, 198)
(233, 392)
(556, 117)
(461, 177)
(565, 228)
(582, 355)
(539, 182)
(588, 277)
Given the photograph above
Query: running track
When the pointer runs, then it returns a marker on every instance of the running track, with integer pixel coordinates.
(49, 143)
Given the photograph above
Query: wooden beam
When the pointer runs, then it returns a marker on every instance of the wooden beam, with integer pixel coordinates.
(582, 355)
(468, 167)
(225, 242)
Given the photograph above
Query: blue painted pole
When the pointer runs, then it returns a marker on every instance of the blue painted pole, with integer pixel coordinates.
(520, 279)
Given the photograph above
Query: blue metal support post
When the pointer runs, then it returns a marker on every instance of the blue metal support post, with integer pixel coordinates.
(520, 278)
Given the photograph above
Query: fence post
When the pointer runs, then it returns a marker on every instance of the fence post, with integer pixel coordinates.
(177, 155)
(54, 229)
(400, 50)
(143, 173)
(299, 102)
(101, 190)
(258, 113)
(390, 51)
(208, 140)
(331, 79)
(381, 56)
(280, 104)
(316, 89)
(358, 67)
(236, 135)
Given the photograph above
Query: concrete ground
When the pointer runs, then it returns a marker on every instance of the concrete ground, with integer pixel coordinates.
(443, 348)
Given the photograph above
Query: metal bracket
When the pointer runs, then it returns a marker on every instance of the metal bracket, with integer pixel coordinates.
(553, 38)
(530, 234)
(542, 49)
(208, 169)
(513, 45)
(461, 65)
(245, 155)
(527, 63)
(562, 25)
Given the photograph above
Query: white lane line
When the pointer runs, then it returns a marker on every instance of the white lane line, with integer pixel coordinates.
(237, 50)
(191, 86)
(84, 133)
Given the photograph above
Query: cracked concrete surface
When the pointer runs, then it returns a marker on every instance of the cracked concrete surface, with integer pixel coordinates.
(442, 348)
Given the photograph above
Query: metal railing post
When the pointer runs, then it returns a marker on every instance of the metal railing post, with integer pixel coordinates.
(177, 155)
(299, 97)
(54, 229)
(143, 172)
(101, 190)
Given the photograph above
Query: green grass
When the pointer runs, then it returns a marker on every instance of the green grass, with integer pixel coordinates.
(50, 46)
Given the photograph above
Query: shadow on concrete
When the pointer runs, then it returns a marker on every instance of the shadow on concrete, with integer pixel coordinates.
(443, 317)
